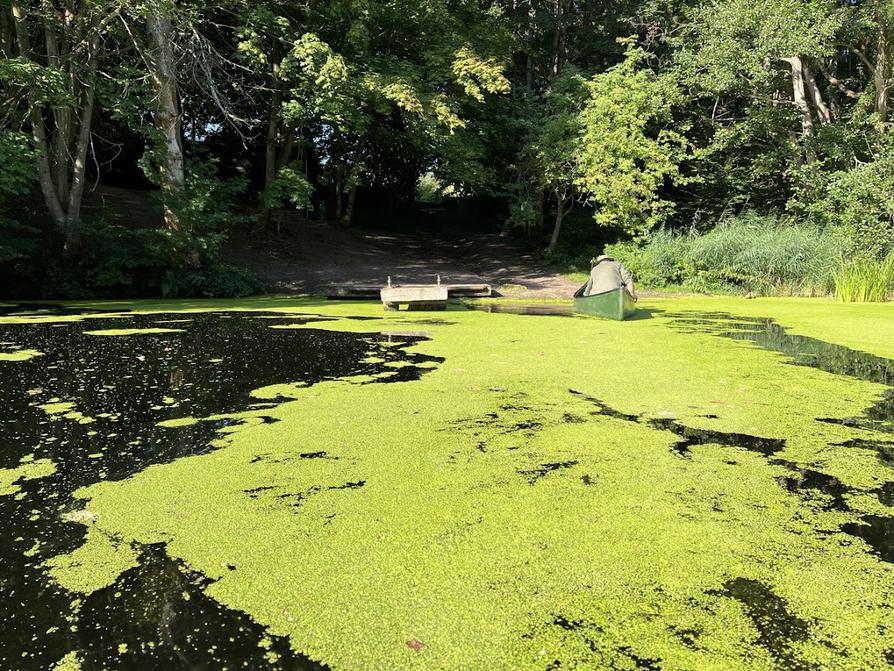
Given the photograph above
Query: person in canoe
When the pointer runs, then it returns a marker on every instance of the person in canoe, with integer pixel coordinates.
(608, 275)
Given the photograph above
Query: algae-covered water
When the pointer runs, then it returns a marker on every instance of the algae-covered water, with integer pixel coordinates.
(301, 484)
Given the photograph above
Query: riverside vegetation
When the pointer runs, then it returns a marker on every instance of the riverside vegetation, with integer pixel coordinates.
(304, 485)
(728, 145)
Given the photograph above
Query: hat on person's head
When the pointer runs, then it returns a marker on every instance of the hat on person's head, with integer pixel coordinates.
(600, 259)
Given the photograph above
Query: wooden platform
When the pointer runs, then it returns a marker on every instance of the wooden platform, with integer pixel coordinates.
(415, 296)
(360, 292)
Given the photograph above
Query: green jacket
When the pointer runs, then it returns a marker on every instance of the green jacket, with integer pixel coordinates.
(606, 276)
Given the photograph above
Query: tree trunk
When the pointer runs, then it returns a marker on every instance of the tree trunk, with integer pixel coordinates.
(348, 215)
(61, 146)
(6, 35)
(167, 114)
(274, 125)
(882, 72)
(529, 46)
(799, 95)
(38, 130)
(73, 233)
(822, 110)
(559, 37)
(339, 212)
(538, 209)
(560, 217)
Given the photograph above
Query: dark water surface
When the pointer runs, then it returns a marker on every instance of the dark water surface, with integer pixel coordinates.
(156, 616)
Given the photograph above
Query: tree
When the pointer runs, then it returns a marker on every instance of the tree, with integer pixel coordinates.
(163, 71)
(631, 146)
(60, 124)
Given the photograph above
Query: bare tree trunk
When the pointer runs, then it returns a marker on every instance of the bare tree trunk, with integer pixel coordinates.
(38, 131)
(6, 35)
(73, 233)
(348, 215)
(559, 36)
(799, 95)
(339, 213)
(285, 152)
(274, 126)
(538, 209)
(560, 217)
(529, 60)
(882, 71)
(167, 115)
(822, 110)
(61, 146)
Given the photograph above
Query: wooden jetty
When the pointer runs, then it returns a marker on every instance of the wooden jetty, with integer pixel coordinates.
(415, 296)
(362, 292)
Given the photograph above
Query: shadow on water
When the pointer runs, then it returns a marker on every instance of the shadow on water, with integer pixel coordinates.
(876, 530)
(777, 627)
(160, 611)
(690, 436)
(92, 404)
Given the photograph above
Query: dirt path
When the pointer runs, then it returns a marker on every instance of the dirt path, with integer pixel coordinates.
(315, 255)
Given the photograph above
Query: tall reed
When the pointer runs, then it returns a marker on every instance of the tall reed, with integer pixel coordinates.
(865, 280)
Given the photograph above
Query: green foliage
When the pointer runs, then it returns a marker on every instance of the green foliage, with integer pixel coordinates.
(289, 188)
(859, 204)
(648, 113)
(17, 176)
(629, 146)
(216, 280)
(205, 209)
(746, 253)
(659, 261)
(429, 190)
(44, 85)
(865, 280)
(159, 261)
(735, 45)
(17, 158)
(556, 144)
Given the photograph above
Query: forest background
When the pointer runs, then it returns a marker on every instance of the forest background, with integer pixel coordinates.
(730, 145)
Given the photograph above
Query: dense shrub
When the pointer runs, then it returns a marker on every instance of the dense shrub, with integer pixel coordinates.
(858, 204)
(120, 260)
(219, 280)
(660, 262)
(17, 176)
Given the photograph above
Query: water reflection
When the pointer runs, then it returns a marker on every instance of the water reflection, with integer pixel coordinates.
(104, 406)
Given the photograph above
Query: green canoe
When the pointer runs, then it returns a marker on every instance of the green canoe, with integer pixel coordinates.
(614, 304)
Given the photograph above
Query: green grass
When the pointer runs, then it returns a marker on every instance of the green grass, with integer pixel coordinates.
(865, 280)
(746, 254)
(449, 542)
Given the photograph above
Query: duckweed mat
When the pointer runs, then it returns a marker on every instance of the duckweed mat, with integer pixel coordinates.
(301, 484)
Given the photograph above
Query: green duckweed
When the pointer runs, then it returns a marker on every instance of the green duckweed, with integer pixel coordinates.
(29, 469)
(20, 355)
(485, 516)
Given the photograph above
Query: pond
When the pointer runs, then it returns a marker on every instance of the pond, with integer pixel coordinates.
(296, 484)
